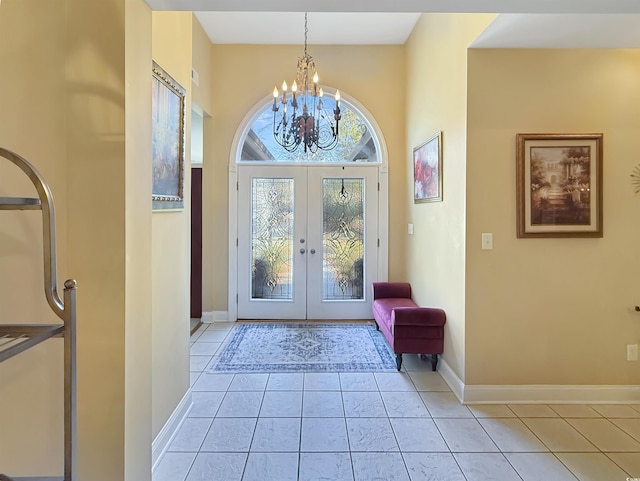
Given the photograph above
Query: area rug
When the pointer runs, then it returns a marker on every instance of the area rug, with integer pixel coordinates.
(304, 347)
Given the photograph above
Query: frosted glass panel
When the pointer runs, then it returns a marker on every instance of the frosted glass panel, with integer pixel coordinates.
(272, 238)
(343, 239)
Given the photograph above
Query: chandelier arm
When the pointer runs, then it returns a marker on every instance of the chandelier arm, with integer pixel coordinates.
(315, 130)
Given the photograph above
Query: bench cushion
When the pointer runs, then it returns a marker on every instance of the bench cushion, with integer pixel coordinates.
(382, 308)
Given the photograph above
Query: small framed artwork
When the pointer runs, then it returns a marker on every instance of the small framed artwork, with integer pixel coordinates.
(559, 185)
(167, 139)
(427, 170)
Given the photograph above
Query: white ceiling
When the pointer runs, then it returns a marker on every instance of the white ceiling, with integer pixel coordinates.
(561, 31)
(324, 28)
(521, 23)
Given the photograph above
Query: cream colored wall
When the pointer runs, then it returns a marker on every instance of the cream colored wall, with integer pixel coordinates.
(96, 184)
(215, 202)
(551, 311)
(109, 260)
(246, 74)
(203, 98)
(138, 303)
(32, 123)
(171, 48)
(79, 109)
(202, 62)
(436, 93)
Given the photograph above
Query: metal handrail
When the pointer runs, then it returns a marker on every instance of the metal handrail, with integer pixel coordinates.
(64, 310)
(48, 230)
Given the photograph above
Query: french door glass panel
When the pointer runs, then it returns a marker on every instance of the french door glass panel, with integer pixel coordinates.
(342, 239)
(271, 223)
(307, 242)
(272, 238)
(343, 231)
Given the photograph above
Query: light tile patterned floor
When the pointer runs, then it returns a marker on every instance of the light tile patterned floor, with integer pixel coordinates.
(405, 426)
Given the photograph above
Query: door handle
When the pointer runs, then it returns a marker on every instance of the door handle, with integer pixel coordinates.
(302, 251)
(313, 251)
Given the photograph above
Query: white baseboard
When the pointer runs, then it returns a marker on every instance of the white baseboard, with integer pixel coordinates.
(451, 378)
(537, 394)
(551, 394)
(215, 316)
(220, 316)
(168, 431)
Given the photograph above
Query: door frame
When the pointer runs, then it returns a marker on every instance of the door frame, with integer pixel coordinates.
(234, 156)
(196, 243)
(295, 306)
(306, 301)
(319, 308)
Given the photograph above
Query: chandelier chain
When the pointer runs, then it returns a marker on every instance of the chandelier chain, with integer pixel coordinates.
(306, 32)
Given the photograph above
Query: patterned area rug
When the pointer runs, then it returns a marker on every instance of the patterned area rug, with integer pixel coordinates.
(304, 347)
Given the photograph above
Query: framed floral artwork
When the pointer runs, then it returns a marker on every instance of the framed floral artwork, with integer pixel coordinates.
(167, 137)
(559, 185)
(427, 170)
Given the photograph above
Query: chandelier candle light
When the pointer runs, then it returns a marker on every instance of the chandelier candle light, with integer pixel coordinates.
(308, 124)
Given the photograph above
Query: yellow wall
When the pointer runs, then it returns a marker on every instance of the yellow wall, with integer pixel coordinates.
(108, 232)
(32, 123)
(202, 62)
(215, 217)
(436, 94)
(84, 123)
(551, 311)
(245, 75)
(171, 47)
(95, 74)
(203, 98)
(138, 304)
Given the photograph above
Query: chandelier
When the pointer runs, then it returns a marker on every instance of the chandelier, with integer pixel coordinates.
(304, 120)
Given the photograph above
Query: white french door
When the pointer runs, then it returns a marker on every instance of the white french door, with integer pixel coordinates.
(307, 241)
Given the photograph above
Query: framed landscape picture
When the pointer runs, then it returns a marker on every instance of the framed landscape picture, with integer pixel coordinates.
(427, 170)
(559, 185)
(167, 138)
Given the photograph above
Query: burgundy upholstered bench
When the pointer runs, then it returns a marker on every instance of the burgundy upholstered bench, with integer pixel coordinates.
(408, 328)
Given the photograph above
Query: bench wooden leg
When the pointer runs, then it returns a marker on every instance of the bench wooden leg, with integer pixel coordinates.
(399, 361)
(434, 360)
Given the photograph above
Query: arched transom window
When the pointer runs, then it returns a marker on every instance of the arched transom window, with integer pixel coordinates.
(356, 140)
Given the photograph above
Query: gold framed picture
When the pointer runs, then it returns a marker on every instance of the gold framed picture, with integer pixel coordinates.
(559, 185)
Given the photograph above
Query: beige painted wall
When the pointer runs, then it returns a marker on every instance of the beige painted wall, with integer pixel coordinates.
(436, 93)
(96, 184)
(201, 58)
(32, 123)
(203, 98)
(111, 262)
(244, 76)
(138, 239)
(551, 311)
(171, 48)
(67, 115)
(215, 217)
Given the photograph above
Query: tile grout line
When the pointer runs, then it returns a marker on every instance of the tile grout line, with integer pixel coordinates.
(474, 416)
